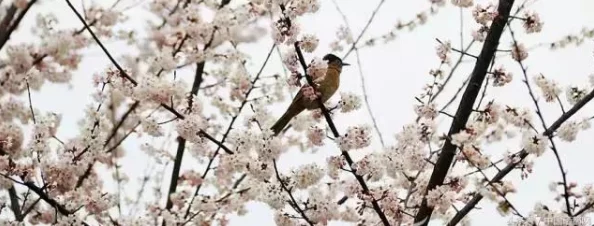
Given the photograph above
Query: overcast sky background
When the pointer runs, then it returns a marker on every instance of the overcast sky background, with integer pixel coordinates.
(394, 74)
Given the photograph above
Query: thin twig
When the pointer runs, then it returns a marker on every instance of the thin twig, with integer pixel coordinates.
(366, 99)
(353, 46)
(121, 122)
(295, 204)
(113, 61)
(30, 103)
(361, 76)
(458, 62)
(541, 117)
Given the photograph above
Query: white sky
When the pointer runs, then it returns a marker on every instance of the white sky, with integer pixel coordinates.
(394, 74)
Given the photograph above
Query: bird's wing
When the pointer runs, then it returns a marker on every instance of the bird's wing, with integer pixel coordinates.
(298, 96)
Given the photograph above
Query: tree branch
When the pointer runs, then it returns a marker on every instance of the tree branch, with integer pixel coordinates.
(295, 204)
(182, 141)
(5, 35)
(479, 73)
(359, 65)
(113, 61)
(328, 118)
(8, 18)
(544, 125)
(121, 70)
(14, 204)
(216, 153)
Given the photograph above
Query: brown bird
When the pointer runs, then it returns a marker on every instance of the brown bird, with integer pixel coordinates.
(326, 87)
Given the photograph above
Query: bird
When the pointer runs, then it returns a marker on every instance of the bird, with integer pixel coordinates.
(326, 87)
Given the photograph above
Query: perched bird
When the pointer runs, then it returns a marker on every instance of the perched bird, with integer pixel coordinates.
(326, 87)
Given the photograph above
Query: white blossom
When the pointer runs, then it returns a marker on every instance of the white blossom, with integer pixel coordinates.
(519, 52)
(463, 3)
(568, 131)
(441, 198)
(349, 102)
(484, 14)
(308, 175)
(575, 94)
(534, 144)
(532, 22)
(550, 89)
(501, 76)
(443, 51)
(356, 137)
(309, 43)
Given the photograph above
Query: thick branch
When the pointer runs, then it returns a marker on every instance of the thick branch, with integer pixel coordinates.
(182, 142)
(5, 35)
(14, 204)
(47, 199)
(7, 18)
(479, 73)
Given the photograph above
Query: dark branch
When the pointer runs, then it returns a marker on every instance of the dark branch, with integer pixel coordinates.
(328, 118)
(113, 61)
(14, 204)
(182, 141)
(5, 35)
(465, 108)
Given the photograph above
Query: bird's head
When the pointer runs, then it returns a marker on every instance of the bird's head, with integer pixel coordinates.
(334, 60)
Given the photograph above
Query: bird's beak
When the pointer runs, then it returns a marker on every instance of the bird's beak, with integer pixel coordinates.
(345, 64)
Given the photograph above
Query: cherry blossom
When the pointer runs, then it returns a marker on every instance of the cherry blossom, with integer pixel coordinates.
(191, 100)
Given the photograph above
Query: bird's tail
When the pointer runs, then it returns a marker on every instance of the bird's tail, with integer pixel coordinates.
(286, 118)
